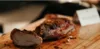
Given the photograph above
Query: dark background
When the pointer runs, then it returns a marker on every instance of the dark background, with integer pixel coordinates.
(51, 7)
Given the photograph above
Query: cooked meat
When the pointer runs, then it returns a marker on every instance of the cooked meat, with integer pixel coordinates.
(25, 38)
(54, 27)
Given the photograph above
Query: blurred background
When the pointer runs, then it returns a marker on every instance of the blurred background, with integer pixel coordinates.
(17, 14)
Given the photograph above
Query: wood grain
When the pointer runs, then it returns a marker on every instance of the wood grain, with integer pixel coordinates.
(83, 42)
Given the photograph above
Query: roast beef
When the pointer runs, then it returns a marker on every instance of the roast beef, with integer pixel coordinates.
(25, 38)
(54, 27)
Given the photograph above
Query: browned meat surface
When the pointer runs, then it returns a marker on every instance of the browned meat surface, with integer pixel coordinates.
(25, 38)
(54, 27)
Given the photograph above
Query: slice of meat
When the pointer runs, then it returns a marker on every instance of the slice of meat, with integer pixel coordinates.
(25, 38)
(54, 28)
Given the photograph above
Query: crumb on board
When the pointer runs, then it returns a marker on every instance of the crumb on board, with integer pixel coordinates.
(71, 37)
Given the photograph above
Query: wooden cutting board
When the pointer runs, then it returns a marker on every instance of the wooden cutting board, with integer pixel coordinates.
(92, 42)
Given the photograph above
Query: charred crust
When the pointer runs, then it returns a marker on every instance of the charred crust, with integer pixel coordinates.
(25, 32)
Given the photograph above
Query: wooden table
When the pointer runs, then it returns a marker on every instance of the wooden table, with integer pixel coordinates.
(85, 39)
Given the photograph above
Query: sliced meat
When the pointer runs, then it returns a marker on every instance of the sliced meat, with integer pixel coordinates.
(25, 38)
(54, 28)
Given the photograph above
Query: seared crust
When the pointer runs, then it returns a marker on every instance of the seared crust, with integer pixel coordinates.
(25, 38)
(54, 27)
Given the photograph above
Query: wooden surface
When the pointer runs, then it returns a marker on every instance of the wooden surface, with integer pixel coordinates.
(90, 41)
